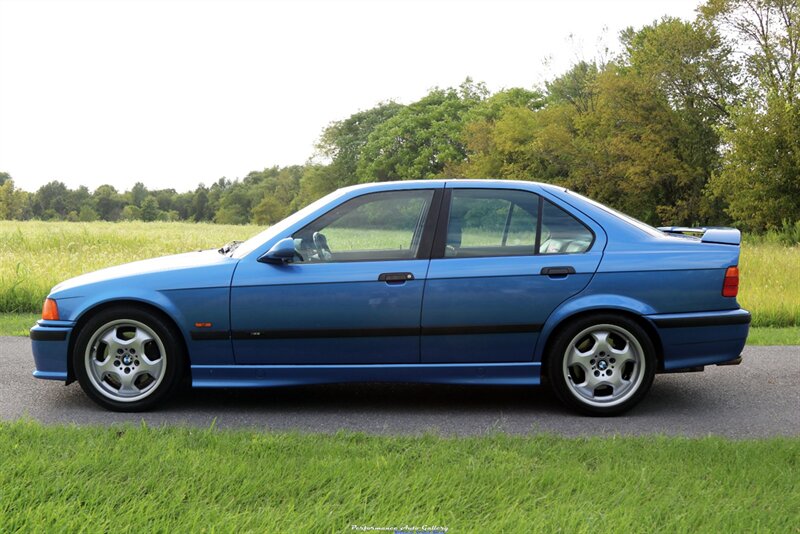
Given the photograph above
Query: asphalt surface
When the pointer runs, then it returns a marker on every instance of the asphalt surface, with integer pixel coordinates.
(760, 397)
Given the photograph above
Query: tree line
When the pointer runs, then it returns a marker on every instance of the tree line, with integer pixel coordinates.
(692, 123)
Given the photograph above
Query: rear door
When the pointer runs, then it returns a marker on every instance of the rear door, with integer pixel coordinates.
(503, 259)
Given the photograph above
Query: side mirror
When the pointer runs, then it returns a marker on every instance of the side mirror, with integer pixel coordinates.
(281, 252)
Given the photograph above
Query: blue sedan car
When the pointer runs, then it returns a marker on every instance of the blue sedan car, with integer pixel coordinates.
(437, 281)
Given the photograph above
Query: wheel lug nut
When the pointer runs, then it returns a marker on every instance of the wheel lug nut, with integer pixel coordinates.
(119, 351)
(136, 362)
(612, 360)
(116, 362)
(597, 373)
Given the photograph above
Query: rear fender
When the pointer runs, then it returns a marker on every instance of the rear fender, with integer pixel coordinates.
(587, 303)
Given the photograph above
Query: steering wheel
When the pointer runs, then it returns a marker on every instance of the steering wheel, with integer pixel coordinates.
(321, 244)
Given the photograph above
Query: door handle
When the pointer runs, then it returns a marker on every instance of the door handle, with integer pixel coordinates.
(395, 278)
(558, 271)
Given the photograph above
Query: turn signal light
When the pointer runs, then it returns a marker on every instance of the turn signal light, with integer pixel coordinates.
(50, 310)
(730, 287)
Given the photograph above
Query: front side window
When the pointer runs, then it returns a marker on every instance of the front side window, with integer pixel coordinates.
(372, 227)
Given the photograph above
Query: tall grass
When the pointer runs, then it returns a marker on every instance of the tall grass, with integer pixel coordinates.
(34, 256)
(769, 283)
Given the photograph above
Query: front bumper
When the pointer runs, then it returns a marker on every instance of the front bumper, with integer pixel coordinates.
(698, 339)
(50, 346)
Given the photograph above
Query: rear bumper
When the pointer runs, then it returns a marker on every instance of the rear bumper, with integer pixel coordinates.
(697, 339)
(50, 346)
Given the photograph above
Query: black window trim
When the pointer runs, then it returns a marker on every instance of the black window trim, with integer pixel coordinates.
(428, 227)
(440, 239)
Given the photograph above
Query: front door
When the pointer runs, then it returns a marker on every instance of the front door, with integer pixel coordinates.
(354, 294)
(507, 259)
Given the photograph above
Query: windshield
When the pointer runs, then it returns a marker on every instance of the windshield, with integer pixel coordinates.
(627, 218)
(246, 247)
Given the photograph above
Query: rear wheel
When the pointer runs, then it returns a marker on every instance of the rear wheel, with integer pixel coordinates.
(602, 364)
(127, 359)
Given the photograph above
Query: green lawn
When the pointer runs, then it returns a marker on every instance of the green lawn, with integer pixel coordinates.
(17, 324)
(138, 479)
(774, 336)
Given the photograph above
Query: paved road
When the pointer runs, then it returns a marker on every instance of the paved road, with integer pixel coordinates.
(760, 397)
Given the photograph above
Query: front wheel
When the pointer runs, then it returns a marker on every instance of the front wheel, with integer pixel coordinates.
(127, 359)
(602, 364)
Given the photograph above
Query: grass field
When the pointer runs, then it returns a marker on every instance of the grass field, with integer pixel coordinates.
(134, 479)
(770, 284)
(17, 324)
(768, 335)
(34, 256)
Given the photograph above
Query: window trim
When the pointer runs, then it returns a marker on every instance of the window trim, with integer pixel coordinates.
(440, 239)
(426, 237)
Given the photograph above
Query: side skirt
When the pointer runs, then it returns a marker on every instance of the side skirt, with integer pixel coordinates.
(257, 376)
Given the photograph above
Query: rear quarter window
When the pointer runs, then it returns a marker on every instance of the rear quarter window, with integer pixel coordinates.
(562, 233)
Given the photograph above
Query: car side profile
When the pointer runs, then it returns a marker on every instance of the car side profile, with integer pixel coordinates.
(440, 281)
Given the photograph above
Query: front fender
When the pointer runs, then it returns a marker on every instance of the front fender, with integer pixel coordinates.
(74, 309)
(185, 307)
(584, 303)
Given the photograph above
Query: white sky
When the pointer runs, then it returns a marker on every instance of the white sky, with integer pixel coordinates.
(174, 93)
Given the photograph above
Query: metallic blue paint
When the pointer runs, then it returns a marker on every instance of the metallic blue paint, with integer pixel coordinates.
(502, 310)
(482, 298)
(326, 296)
(692, 346)
(249, 376)
(50, 356)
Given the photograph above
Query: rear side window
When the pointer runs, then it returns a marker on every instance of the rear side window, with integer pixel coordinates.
(492, 222)
(562, 233)
(507, 222)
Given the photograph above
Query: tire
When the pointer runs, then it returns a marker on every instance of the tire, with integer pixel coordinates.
(601, 364)
(127, 359)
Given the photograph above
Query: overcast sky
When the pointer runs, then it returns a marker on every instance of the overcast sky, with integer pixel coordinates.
(174, 93)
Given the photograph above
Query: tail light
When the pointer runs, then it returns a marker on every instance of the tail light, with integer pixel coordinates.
(730, 287)
(50, 310)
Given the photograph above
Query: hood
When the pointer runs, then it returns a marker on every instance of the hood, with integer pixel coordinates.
(205, 268)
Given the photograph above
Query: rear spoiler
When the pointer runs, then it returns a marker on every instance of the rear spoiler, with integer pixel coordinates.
(724, 236)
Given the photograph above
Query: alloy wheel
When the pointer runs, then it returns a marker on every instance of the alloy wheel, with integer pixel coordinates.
(603, 365)
(125, 360)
